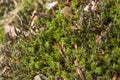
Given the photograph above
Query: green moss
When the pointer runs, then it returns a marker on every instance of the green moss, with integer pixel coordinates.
(1, 34)
(61, 40)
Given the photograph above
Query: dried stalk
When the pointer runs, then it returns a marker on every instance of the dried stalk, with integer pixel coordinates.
(79, 70)
(62, 51)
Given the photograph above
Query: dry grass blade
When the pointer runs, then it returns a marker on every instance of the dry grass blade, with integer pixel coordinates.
(3, 71)
(44, 14)
(1, 58)
(79, 70)
(62, 51)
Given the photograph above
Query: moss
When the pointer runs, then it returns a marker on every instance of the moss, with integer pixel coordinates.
(54, 42)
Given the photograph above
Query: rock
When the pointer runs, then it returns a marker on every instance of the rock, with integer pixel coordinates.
(37, 77)
(40, 77)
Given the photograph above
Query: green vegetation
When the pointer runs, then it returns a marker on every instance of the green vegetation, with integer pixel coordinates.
(55, 43)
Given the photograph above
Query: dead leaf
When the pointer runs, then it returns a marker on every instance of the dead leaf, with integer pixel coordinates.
(93, 8)
(26, 33)
(10, 30)
(86, 8)
(51, 5)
